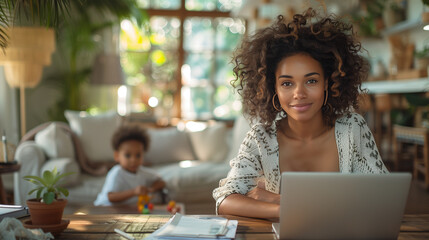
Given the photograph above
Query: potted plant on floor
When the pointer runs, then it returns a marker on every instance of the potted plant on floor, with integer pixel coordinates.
(422, 57)
(48, 206)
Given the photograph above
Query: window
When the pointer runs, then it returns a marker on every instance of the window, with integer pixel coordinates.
(179, 66)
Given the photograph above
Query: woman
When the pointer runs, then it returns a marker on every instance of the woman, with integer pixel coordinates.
(299, 81)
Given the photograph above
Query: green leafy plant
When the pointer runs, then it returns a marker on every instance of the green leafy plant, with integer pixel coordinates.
(48, 186)
(424, 53)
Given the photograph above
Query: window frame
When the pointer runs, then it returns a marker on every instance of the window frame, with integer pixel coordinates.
(182, 14)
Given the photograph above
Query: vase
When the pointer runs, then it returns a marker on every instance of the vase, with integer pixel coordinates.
(46, 214)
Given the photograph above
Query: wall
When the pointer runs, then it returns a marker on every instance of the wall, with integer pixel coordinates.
(9, 121)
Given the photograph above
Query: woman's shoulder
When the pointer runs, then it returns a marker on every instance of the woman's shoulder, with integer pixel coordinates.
(259, 130)
(351, 119)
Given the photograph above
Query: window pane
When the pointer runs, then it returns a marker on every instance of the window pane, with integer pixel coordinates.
(228, 33)
(165, 69)
(165, 4)
(165, 32)
(132, 62)
(227, 103)
(224, 73)
(196, 102)
(150, 61)
(200, 68)
(229, 5)
(159, 4)
(200, 5)
(143, 3)
(199, 34)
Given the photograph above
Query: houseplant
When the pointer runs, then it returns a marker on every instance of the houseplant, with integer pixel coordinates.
(47, 208)
(422, 57)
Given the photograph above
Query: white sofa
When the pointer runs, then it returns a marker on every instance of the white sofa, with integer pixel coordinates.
(190, 182)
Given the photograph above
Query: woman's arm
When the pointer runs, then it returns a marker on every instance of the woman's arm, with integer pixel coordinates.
(370, 159)
(259, 193)
(237, 204)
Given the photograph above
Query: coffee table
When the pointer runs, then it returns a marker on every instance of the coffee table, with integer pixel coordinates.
(140, 226)
(120, 209)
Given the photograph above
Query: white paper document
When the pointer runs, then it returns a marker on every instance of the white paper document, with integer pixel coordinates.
(194, 227)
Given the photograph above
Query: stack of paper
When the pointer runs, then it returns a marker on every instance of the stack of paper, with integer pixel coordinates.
(191, 227)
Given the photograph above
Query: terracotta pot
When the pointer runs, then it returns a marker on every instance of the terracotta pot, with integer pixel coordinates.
(46, 214)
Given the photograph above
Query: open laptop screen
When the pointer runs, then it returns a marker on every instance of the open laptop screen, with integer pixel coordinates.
(317, 205)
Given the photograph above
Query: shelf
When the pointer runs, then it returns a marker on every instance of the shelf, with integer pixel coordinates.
(397, 86)
(402, 26)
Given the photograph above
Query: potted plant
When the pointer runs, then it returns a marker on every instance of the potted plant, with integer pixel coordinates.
(48, 206)
(422, 58)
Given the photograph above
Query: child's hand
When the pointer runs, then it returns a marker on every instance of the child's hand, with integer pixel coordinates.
(141, 190)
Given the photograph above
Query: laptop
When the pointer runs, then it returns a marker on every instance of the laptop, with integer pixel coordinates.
(320, 205)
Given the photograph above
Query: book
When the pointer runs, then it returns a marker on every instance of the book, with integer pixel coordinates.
(196, 227)
(15, 211)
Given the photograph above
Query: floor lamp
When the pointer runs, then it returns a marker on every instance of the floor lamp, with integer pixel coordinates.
(107, 70)
(29, 50)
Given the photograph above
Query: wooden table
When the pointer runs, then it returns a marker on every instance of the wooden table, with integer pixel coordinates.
(6, 168)
(141, 226)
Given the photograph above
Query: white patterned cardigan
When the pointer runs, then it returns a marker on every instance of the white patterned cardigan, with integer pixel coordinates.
(258, 157)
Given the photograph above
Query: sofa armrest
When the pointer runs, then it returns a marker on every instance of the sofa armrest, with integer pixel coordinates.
(31, 157)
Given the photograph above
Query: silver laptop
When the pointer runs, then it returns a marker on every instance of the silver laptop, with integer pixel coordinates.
(316, 205)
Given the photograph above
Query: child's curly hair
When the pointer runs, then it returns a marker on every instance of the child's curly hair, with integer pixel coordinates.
(129, 132)
(328, 40)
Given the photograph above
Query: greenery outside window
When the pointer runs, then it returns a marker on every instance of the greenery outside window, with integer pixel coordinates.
(179, 66)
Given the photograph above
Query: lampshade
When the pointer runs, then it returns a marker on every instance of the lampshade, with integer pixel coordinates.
(107, 70)
(29, 50)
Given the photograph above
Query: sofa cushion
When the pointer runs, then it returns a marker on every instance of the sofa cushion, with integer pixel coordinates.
(239, 132)
(168, 145)
(211, 143)
(64, 165)
(95, 133)
(193, 182)
(55, 142)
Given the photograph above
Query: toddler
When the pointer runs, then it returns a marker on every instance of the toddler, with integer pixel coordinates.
(126, 181)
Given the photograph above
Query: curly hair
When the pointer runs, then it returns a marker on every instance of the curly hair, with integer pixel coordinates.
(328, 40)
(129, 132)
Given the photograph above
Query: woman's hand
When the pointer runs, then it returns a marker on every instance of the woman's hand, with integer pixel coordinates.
(259, 193)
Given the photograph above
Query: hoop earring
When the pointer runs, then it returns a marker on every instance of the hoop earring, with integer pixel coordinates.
(274, 104)
(326, 98)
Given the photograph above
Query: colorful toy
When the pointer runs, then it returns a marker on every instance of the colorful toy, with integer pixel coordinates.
(172, 208)
(144, 205)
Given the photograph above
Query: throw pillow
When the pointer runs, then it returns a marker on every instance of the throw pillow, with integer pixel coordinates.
(55, 142)
(239, 132)
(168, 145)
(64, 165)
(211, 144)
(95, 133)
